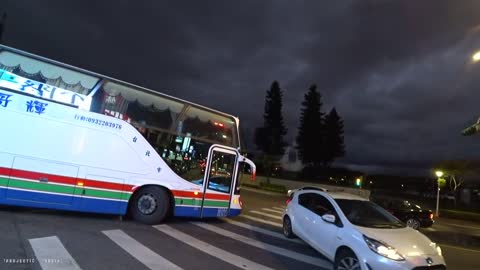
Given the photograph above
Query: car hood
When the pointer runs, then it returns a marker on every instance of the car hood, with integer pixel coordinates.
(406, 241)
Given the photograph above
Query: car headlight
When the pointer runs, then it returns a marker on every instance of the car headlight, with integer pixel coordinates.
(383, 249)
(437, 248)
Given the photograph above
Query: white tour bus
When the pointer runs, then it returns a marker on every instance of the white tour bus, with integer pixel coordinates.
(76, 140)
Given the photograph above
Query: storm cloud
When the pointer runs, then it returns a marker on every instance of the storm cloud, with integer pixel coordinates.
(398, 72)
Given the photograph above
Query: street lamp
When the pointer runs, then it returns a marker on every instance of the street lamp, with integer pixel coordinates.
(439, 174)
(476, 56)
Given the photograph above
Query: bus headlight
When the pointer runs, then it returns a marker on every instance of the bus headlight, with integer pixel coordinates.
(383, 249)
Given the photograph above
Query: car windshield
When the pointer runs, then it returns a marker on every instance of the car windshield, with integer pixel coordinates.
(368, 214)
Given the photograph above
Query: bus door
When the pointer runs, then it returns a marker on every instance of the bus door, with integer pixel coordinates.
(219, 182)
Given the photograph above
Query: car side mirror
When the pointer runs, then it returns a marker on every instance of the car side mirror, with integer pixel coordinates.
(329, 218)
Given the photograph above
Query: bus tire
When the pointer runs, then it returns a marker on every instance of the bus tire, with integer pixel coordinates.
(150, 205)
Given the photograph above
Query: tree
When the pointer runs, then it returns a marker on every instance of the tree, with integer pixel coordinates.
(334, 141)
(456, 171)
(270, 137)
(310, 138)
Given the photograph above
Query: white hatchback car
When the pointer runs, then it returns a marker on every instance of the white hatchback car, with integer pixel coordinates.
(356, 234)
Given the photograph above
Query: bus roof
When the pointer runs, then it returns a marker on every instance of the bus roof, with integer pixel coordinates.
(103, 77)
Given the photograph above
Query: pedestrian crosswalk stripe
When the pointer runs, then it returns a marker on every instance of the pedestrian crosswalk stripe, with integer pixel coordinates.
(52, 255)
(272, 210)
(218, 253)
(143, 254)
(261, 230)
(270, 248)
(278, 208)
(266, 215)
(276, 224)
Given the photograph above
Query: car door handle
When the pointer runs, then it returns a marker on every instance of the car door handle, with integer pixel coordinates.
(43, 180)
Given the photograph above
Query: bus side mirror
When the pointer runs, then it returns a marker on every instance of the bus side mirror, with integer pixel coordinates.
(253, 168)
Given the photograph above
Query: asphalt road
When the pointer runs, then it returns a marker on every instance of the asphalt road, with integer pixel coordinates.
(50, 240)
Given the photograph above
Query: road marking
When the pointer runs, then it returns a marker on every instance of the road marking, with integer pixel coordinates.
(52, 255)
(461, 226)
(279, 208)
(262, 230)
(272, 210)
(460, 248)
(218, 253)
(431, 229)
(270, 248)
(143, 254)
(276, 224)
(265, 214)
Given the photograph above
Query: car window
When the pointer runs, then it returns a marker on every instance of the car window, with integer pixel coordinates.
(316, 203)
(368, 214)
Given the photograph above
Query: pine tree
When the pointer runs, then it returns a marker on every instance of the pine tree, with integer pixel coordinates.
(270, 137)
(310, 138)
(334, 140)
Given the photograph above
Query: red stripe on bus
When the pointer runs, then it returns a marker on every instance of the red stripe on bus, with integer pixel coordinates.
(53, 178)
(182, 193)
(217, 196)
(191, 194)
(16, 173)
(4, 171)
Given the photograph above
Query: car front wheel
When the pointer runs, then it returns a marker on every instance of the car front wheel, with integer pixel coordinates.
(413, 223)
(346, 260)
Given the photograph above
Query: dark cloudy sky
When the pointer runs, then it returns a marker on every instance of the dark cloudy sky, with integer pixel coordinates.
(398, 72)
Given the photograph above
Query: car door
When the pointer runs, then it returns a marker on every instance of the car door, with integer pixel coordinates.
(302, 216)
(324, 235)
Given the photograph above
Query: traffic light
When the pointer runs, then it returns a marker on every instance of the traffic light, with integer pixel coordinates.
(358, 182)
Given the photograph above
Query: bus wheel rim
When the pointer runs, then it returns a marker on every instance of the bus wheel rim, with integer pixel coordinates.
(147, 204)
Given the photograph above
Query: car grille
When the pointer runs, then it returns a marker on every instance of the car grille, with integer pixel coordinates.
(433, 267)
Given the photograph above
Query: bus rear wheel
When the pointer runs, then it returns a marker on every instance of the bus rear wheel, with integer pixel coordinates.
(150, 205)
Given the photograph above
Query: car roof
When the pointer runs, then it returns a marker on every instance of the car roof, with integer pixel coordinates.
(313, 187)
(337, 195)
(346, 196)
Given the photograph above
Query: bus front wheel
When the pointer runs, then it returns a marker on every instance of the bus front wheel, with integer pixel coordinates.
(150, 205)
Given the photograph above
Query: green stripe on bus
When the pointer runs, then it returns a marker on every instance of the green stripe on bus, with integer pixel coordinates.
(182, 201)
(40, 186)
(3, 181)
(99, 193)
(49, 187)
(216, 203)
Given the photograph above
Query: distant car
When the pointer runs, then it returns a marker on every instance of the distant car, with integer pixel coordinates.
(313, 187)
(413, 215)
(357, 234)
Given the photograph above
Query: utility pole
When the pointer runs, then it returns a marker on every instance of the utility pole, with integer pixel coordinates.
(2, 26)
